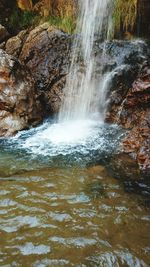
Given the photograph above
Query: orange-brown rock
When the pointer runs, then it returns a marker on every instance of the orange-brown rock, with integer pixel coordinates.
(135, 115)
(19, 105)
(46, 52)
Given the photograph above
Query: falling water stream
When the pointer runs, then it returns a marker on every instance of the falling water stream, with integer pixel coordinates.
(83, 92)
(59, 206)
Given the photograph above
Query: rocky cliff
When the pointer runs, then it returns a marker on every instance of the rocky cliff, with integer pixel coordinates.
(40, 58)
(32, 88)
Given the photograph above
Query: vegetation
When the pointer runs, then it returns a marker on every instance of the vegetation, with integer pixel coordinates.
(63, 13)
(125, 15)
(67, 24)
(60, 13)
(22, 19)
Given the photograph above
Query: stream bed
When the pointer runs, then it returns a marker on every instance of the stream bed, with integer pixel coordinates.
(60, 207)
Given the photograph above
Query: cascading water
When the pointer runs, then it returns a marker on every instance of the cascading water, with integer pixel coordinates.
(82, 93)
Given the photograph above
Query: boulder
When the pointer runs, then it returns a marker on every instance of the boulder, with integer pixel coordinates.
(19, 104)
(14, 44)
(46, 52)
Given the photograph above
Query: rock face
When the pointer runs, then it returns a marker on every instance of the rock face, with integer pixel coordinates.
(143, 23)
(3, 33)
(136, 115)
(46, 52)
(14, 44)
(129, 106)
(19, 105)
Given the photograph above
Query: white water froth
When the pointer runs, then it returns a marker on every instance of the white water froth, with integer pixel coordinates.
(64, 138)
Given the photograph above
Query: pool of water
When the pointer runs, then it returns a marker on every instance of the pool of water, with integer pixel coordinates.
(60, 207)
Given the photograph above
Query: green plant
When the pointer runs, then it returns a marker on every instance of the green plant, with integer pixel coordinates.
(66, 23)
(125, 15)
(21, 19)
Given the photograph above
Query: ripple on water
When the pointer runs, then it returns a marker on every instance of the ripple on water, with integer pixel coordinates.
(60, 217)
(117, 259)
(54, 213)
(75, 242)
(13, 224)
(29, 249)
(53, 262)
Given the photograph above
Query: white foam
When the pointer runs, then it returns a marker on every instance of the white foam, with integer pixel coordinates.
(64, 138)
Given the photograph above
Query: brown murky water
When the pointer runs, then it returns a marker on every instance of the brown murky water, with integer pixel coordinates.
(71, 217)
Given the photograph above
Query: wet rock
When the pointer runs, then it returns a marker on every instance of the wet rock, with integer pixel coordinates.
(124, 167)
(138, 141)
(19, 105)
(14, 44)
(143, 19)
(54, 95)
(3, 33)
(129, 106)
(2, 45)
(46, 52)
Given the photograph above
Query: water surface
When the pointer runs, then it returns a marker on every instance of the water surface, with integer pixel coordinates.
(60, 207)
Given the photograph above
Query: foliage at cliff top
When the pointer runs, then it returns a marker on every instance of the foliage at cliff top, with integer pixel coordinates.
(50, 7)
(63, 13)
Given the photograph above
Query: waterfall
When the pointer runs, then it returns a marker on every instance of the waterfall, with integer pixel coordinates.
(83, 96)
(79, 130)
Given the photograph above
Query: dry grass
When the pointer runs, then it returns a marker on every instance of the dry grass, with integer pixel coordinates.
(63, 13)
(65, 8)
(51, 7)
(125, 15)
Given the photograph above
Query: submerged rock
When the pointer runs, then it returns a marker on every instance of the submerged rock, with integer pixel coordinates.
(19, 104)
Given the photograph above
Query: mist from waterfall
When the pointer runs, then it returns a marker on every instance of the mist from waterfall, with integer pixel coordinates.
(84, 94)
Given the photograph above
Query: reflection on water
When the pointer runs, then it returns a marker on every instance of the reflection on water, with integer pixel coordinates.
(59, 206)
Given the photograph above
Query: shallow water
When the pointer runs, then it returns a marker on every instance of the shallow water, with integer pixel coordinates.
(60, 208)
